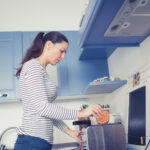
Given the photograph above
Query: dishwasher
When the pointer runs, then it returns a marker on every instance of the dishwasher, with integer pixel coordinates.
(101, 137)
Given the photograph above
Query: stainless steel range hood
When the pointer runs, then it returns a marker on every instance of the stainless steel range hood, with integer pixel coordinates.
(133, 19)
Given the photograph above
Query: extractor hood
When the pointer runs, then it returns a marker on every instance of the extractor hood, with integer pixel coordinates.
(133, 19)
(115, 23)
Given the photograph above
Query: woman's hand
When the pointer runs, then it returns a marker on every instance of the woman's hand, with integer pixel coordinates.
(74, 134)
(94, 110)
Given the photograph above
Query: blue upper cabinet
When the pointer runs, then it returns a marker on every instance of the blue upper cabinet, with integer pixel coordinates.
(73, 75)
(108, 24)
(10, 58)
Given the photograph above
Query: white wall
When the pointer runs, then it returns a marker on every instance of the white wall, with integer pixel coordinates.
(10, 116)
(122, 63)
(40, 15)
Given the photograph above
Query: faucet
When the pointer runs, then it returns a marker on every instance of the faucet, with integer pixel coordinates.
(2, 146)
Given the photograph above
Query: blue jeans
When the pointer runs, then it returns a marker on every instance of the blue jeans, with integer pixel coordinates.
(25, 142)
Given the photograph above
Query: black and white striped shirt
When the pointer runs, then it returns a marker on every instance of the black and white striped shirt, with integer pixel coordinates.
(39, 113)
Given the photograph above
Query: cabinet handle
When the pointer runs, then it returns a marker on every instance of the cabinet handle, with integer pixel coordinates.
(3, 94)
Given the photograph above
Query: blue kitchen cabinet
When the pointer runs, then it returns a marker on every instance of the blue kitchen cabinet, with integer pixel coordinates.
(73, 74)
(10, 58)
(79, 74)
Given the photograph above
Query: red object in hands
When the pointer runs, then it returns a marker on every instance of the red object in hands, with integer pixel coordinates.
(104, 119)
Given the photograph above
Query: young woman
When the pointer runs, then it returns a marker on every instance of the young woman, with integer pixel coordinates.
(38, 92)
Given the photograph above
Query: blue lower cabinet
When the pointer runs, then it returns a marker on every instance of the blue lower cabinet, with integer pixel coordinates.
(10, 58)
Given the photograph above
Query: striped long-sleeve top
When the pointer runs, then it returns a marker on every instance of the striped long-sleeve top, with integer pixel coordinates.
(39, 113)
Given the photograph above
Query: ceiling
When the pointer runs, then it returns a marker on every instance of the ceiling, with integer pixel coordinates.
(34, 15)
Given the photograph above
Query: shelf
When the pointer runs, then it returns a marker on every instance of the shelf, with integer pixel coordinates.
(10, 101)
(104, 87)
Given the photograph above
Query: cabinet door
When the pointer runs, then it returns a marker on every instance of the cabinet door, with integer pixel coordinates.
(74, 75)
(10, 58)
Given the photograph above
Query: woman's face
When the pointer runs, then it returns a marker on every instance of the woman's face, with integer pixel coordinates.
(56, 52)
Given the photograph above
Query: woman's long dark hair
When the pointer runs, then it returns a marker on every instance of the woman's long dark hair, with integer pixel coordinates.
(37, 46)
